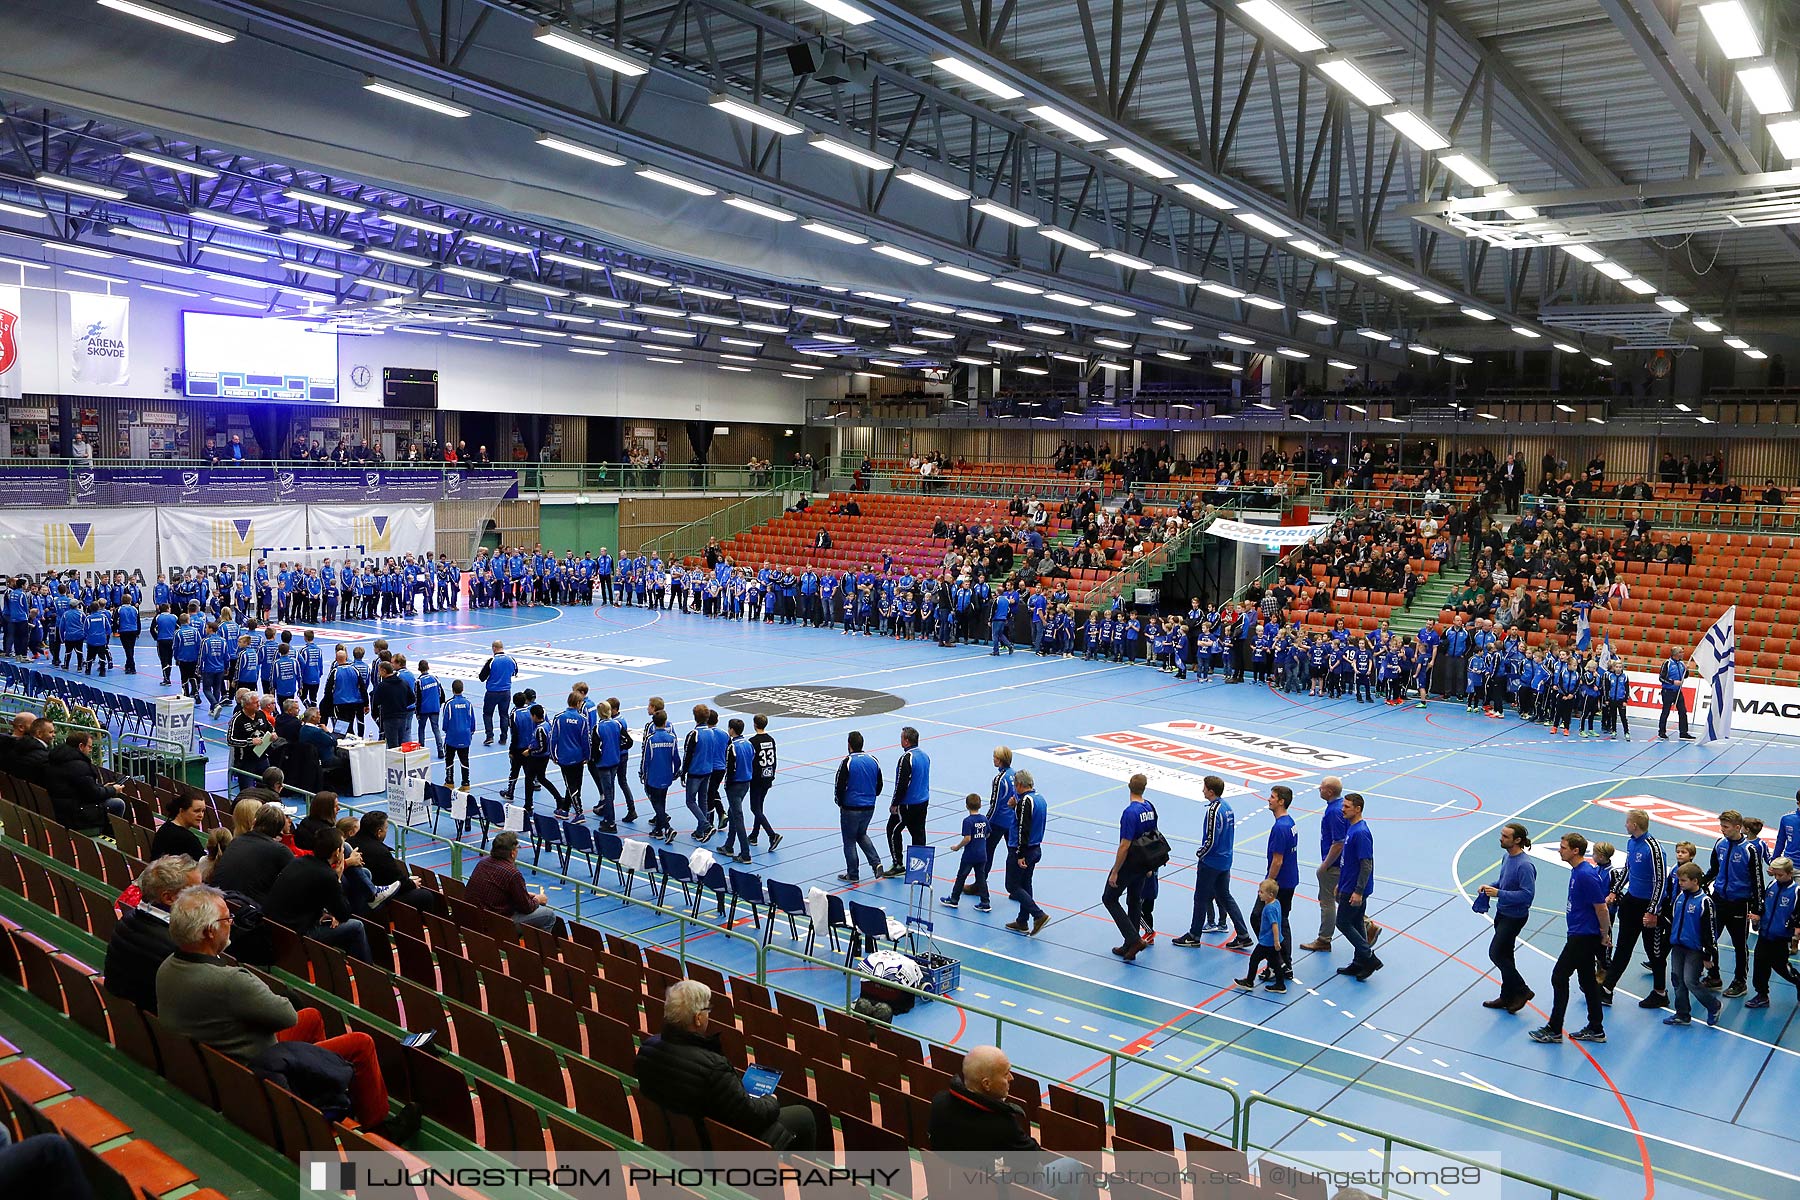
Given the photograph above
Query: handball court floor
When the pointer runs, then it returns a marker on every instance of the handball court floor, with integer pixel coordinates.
(1654, 1111)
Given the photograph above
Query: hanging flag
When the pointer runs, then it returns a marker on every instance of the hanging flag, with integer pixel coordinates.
(1584, 634)
(1716, 660)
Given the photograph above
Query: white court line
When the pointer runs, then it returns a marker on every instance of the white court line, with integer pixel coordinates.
(1370, 1058)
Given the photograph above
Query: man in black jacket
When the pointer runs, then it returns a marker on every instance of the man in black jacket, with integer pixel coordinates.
(31, 754)
(9, 746)
(391, 702)
(81, 801)
(684, 1071)
(311, 886)
(974, 1117)
(141, 941)
(253, 861)
(385, 870)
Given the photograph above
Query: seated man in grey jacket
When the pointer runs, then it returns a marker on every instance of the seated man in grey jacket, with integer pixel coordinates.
(232, 1010)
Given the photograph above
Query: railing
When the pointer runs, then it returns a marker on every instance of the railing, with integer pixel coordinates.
(977, 486)
(1150, 566)
(52, 482)
(727, 522)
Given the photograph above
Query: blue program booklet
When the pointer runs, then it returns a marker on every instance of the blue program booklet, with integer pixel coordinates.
(761, 1081)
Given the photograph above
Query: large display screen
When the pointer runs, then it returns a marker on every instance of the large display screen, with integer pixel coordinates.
(257, 358)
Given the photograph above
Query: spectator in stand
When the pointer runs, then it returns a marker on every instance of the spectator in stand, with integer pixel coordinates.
(310, 889)
(496, 885)
(224, 1006)
(81, 801)
(684, 1070)
(180, 833)
(141, 941)
(975, 1113)
(254, 860)
(43, 1167)
(20, 734)
(1773, 495)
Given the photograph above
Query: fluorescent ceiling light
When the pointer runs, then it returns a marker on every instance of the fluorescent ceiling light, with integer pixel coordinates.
(495, 243)
(227, 221)
(394, 91)
(764, 327)
(1011, 216)
(1265, 303)
(733, 107)
(1031, 370)
(173, 291)
(657, 310)
(1220, 289)
(526, 285)
(847, 13)
(1568, 348)
(655, 281)
(1286, 27)
(823, 314)
(144, 235)
(1341, 365)
(1737, 343)
(1431, 297)
(1308, 246)
(835, 234)
(307, 238)
(1318, 318)
(670, 333)
(1732, 28)
(986, 81)
(1639, 287)
(1427, 351)
(149, 263)
(936, 334)
(1706, 325)
(98, 278)
(240, 281)
(472, 273)
(1290, 352)
(1582, 251)
(969, 314)
(1166, 323)
(897, 348)
(324, 201)
(1786, 135)
(1109, 343)
(625, 326)
(1526, 333)
(1068, 239)
(1767, 90)
(1683, 407)
(180, 22)
(868, 322)
(970, 361)
(1104, 365)
(179, 165)
(688, 289)
(1670, 304)
(585, 350)
(932, 184)
(1756, 354)
(1469, 310)
(1598, 361)
(1113, 310)
(757, 207)
(1207, 197)
(1467, 170)
(309, 269)
(1009, 347)
(1128, 261)
(1225, 366)
(1459, 359)
(577, 150)
(1415, 129)
(593, 340)
(849, 153)
(394, 218)
(1070, 358)
(1174, 356)
(1079, 130)
(942, 310)
(790, 375)
(676, 182)
(1066, 298)
(1612, 270)
(956, 272)
(587, 50)
(1237, 339)
(81, 187)
(1180, 278)
(1046, 330)
(1398, 284)
(1374, 335)
(761, 302)
(72, 248)
(673, 362)
(901, 254)
(1143, 162)
(256, 304)
(383, 286)
(17, 210)
(1023, 289)
(404, 260)
(1347, 75)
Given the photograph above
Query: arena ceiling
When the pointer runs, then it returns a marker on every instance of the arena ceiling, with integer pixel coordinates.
(1180, 180)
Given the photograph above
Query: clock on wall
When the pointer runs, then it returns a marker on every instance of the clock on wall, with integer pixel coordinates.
(360, 377)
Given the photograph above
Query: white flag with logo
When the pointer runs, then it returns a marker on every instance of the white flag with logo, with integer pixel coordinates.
(99, 339)
(12, 378)
(1716, 660)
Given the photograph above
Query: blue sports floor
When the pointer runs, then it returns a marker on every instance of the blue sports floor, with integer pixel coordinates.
(1654, 1111)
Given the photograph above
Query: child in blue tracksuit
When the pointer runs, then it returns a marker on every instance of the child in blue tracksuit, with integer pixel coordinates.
(1693, 948)
(459, 732)
(1588, 690)
(1363, 664)
(1268, 940)
(972, 871)
(97, 636)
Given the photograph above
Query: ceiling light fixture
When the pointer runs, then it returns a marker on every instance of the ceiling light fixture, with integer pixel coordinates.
(325, 201)
(1166, 323)
(495, 243)
(1068, 239)
(178, 165)
(1766, 89)
(1023, 289)
(675, 181)
(903, 255)
(308, 238)
(398, 259)
(847, 13)
(394, 91)
(1143, 162)
(472, 273)
(1206, 196)
(1732, 28)
(733, 107)
(1318, 318)
(180, 22)
(986, 81)
(1286, 27)
(1706, 325)
(1079, 130)
(931, 183)
(587, 50)
(835, 234)
(394, 218)
(1011, 216)
(577, 150)
(1347, 75)
(1469, 310)
(849, 153)
(1468, 170)
(81, 187)
(1415, 129)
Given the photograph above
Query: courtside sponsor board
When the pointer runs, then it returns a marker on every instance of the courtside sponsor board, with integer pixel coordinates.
(1299, 753)
(1704, 825)
(1197, 757)
(1170, 781)
(1756, 707)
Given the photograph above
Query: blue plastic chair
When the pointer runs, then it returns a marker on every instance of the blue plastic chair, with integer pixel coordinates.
(611, 848)
(868, 925)
(493, 812)
(790, 901)
(442, 799)
(713, 881)
(675, 869)
(748, 887)
(579, 839)
(546, 830)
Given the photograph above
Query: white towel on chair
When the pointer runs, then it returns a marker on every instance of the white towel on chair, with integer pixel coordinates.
(700, 862)
(818, 907)
(633, 853)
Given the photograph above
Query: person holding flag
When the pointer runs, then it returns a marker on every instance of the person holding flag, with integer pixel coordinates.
(1674, 670)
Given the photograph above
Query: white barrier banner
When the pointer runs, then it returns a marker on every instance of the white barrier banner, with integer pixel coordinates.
(12, 377)
(99, 339)
(35, 540)
(382, 530)
(199, 536)
(1755, 707)
(1266, 535)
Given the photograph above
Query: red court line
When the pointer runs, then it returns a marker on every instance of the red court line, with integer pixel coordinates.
(1143, 1043)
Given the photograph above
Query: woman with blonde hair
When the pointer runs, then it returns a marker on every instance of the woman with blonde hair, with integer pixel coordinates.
(243, 816)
